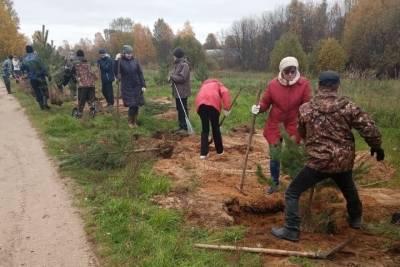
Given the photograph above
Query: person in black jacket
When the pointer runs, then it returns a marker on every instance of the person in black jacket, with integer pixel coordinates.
(133, 85)
(106, 66)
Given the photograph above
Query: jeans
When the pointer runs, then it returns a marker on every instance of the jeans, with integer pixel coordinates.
(7, 83)
(210, 114)
(274, 163)
(306, 179)
(108, 93)
(181, 112)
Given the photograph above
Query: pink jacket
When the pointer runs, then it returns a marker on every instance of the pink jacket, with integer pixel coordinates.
(285, 102)
(211, 93)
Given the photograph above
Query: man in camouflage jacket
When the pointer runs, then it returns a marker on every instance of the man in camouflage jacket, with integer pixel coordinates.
(325, 124)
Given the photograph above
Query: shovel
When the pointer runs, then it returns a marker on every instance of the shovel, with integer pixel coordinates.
(188, 124)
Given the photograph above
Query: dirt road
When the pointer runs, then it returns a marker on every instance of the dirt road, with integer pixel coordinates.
(38, 225)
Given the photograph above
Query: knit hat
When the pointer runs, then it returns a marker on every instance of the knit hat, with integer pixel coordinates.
(102, 51)
(80, 53)
(127, 49)
(29, 49)
(329, 78)
(288, 62)
(178, 52)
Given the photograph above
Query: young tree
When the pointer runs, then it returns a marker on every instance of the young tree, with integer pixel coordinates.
(288, 45)
(331, 56)
(47, 51)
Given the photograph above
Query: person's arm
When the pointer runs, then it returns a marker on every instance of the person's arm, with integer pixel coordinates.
(141, 76)
(307, 93)
(226, 97)
(266, 100)
(182, 75)
(301, 125)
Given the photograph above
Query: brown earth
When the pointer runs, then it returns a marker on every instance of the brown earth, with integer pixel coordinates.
(205, 191)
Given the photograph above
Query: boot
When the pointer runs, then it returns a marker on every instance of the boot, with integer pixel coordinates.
(132, 121)
(284, 233)
(355, 223)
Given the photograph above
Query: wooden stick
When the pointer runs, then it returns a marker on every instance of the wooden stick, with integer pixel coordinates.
(314, 255)
(240, 187)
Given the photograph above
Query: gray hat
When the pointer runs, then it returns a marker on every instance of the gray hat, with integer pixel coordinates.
(127, 49)
(329, 78)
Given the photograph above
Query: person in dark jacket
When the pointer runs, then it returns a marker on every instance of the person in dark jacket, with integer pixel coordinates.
(7, 71)
(325, 124)
(133, 85)
(106, 66)
(37, 73)
(181, 88)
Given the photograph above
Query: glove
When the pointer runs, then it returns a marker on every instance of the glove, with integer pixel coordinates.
(226, 112)
(380, 153)
(118, 56)
(170, 80)
(255, 109)
(143, 89)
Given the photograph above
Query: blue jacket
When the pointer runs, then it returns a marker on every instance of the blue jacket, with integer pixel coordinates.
(34, 67)
(106, 65)
(7, 67)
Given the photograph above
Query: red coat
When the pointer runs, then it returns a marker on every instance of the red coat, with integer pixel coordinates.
(285, 102)
(211, 93)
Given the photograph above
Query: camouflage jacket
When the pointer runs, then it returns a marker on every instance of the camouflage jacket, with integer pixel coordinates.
(325, 124)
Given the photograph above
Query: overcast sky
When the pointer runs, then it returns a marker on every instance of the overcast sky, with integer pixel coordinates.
(74, 19)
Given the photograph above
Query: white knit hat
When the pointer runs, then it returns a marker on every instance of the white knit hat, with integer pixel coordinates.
(288, 62)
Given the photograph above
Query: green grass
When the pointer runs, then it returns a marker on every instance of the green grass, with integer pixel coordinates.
(128, 228)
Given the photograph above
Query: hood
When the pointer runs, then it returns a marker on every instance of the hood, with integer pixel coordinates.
(328, 102)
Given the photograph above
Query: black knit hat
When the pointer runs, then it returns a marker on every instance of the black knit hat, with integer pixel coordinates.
(178, 52)
(10, 56)
(29, 49)
(329, 78)
(102, 51)
(80, 53)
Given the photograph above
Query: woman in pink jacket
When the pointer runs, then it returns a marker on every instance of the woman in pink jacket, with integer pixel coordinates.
(282, 98)
(212, 96)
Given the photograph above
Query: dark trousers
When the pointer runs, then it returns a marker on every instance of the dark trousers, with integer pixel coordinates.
(133, 111)
(209, 114)
(41, 91)
(181, 112)
(108, 92)
(7, 83)
(306, 179)
(85, 94)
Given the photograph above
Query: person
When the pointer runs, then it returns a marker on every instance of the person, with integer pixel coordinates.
(325, 124)
(282, 98)
(85, 77)
(208, 102)
(7, 71)
(106, 66)
(37, 73)
(16, 68)
(133, 84)
(180, 79)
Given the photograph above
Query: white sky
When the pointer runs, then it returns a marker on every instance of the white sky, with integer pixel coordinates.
(74, 19)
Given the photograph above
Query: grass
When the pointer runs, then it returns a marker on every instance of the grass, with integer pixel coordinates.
(128, 228)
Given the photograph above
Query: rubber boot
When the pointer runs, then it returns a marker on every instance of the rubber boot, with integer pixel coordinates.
(355, 223)
(287, 234)
(132, 121)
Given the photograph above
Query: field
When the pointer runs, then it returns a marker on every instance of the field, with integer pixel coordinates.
(148, 209)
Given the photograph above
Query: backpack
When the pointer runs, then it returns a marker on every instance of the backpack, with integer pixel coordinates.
(84, 75)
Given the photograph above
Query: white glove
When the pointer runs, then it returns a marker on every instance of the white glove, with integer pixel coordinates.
(143, 89)
(118, 56)
(255, 109)
(226, 112)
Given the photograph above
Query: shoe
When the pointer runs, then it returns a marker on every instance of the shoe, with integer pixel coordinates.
(355, 223)
(220, 154)
(272, 189)
(287, 234)
(203, 157)
(47, 107)
(110, 108)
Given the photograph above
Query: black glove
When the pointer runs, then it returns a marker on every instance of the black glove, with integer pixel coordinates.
(380, 153)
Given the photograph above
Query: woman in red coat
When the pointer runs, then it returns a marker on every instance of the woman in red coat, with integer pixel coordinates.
(282, 98)
(212, 96)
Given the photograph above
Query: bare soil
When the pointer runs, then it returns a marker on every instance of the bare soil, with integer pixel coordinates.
(206, 191)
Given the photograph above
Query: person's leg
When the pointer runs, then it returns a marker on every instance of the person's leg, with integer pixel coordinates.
(45, 91)
(132, 116)
(82, 97)
(108, 93)
(38, 92)
(214, 118)
(274, 167)
(306, 179)
(92, 98)
(181, 112)
(7, 83)
(354, 207)
(205, 129)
